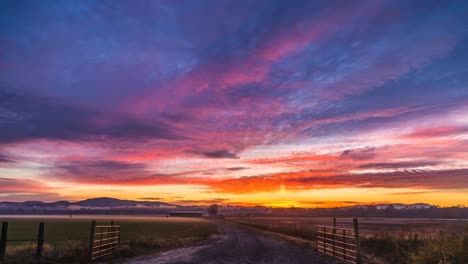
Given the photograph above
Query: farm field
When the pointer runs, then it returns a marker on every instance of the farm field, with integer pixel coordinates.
(67, 237)
(384, 240)
(367, 226)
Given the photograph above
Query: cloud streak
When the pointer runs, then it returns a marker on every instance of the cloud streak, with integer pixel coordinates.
(28, 117)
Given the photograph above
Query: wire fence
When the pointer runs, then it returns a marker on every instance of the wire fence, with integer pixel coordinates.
(103, 239)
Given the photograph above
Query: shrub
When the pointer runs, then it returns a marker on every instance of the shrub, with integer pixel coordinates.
(390, 250)
(447, 248)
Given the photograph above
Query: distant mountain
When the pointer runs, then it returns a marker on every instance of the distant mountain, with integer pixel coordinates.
(396, 210)
(34, 204)
(112, 202)
(59, 203)
(400, 206)
(102, 204)
(420, 206)
(112, 206)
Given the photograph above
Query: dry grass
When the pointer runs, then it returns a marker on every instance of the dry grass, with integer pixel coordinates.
(384, 241)
(67, 239)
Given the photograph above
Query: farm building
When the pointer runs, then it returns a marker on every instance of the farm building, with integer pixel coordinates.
(187, 213)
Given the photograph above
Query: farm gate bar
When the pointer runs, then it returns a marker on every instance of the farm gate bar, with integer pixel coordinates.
(103, 240)
(341, 243)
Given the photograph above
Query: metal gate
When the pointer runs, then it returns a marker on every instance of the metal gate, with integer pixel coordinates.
(104, 240)
(341, 243)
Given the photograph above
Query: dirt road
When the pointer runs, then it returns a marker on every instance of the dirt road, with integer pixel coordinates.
(236, 245)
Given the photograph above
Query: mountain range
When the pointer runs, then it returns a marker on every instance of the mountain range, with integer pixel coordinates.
(112, 206)
(94, 203)
(113, 203)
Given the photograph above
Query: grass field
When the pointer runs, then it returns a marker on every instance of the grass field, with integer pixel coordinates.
(384, 240)
(66, 238)
(396, 227)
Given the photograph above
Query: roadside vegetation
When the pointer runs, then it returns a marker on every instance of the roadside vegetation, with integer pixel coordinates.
(67, 240)
(442, 248)
(435, 244)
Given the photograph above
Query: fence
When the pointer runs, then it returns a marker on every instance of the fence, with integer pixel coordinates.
(341, 243)
(103, 240)
(4, 240)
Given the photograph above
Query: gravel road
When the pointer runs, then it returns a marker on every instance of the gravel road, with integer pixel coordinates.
(236, 245)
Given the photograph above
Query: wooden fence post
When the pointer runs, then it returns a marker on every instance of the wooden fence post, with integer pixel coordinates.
(356, 237)
(40, 240)
(91, 240)
(3, 240)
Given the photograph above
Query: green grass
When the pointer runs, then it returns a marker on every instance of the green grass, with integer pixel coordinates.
(67, 239)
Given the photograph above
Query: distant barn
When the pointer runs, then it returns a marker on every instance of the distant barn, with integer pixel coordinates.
(186, 213)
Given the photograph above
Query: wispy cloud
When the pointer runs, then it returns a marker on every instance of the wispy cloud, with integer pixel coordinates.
(359, 154)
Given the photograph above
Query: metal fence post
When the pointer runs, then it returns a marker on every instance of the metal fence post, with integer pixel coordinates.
(40, 240)
(316, 238)
(119, 235)
(112, 234)
(91, 240)
(324, 243)
(344, 245)
(356, 237)
(3, 240)
(334, 234)
(101, 230)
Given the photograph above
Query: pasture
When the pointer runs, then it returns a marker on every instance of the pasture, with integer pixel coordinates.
(66, 238)
(384, 240)
(394, 227)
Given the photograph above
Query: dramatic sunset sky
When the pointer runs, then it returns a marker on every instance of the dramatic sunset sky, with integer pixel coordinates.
(277, 103)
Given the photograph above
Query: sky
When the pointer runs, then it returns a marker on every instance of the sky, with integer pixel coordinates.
(274, 103)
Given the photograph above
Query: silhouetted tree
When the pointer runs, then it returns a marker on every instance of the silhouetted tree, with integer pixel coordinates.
(213, 210)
